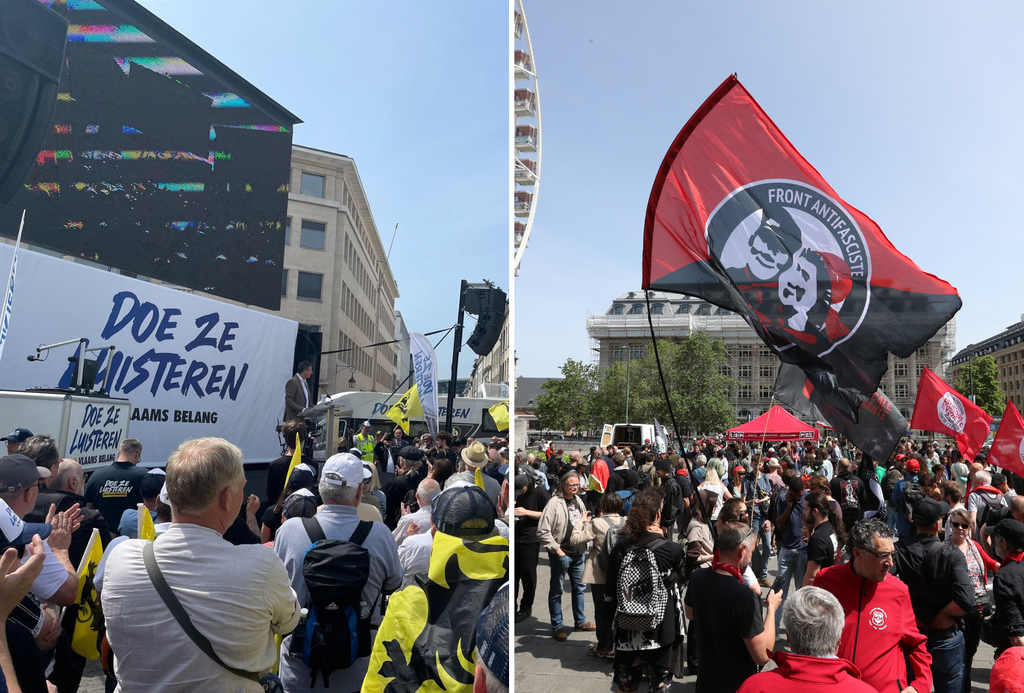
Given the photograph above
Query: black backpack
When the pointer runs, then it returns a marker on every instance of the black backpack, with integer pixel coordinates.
(336, 631)
(911, 496)
(646, 474)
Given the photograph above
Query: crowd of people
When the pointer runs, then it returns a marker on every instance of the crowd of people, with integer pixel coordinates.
(384, 565)
(889, 573)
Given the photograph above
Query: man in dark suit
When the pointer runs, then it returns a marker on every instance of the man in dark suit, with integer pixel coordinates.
(296, 393)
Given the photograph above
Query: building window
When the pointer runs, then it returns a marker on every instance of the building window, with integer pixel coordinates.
(284, 282)
(722, 311)
(900, 369)
(745, 392)
(636, 310)
(312, 185)
(745, 352)
(618, 353)
(656, 309)
(636, 351)
(764, 352)
(616, 310)
(765, 391)
(288, 231)
(313, 233)
(766, 370)
(923, 351)
(902, 391)
(683, 310)
(920, 370)
(744, 371)
(704, 310)
(310, 286)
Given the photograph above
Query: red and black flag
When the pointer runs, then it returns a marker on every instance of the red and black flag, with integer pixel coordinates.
(941, 409)
(739, 218)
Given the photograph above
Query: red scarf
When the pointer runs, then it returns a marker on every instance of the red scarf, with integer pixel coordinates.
(716, 564)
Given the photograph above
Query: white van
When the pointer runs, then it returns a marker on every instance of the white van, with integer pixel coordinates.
(627, 434)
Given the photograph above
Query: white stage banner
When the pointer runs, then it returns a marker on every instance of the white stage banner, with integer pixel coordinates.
(190, 366)
(424, 366)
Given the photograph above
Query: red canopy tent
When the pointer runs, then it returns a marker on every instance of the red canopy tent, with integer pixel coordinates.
(774, 424)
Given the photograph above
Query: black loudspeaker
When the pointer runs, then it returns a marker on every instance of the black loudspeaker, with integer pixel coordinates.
(308, 345)
(488, 304)
(32, 40)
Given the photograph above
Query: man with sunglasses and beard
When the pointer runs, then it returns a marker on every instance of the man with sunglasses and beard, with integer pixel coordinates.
(881, 631)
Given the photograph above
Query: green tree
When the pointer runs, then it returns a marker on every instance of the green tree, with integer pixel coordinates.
(569, 402)
(987, 393)
(696, 384)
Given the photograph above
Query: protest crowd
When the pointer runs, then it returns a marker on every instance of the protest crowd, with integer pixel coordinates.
(384, 565)
(890, 573)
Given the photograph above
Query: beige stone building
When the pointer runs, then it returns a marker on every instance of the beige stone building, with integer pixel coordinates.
(1007, 348)
(336, 278)
(623, 333)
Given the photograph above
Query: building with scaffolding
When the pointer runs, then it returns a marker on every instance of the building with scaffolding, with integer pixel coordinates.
(623, 333)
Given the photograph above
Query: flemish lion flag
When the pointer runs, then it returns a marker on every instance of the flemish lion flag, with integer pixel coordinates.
(89, 629)
(296, 461)
(499, 412)
(426, 641)
(407, 407)
(738, 217)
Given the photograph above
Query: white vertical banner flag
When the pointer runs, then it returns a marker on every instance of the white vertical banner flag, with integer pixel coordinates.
(5, 323)
(424, 366)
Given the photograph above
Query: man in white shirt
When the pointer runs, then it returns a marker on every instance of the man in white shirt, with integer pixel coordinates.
(341, 488)
(238, 597)
(425, 493)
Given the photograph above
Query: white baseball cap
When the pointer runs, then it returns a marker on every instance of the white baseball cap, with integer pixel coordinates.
(344, 469)
(366, 424)
(307, 468)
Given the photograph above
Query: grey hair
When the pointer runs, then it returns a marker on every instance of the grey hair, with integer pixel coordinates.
(813, 618)
(862, 534)
(1017, 505)
(700, 461)
(733, 536)
(492, 683)
(983, 477)
(426, 491)
(521, 458)
(339, 495)
(199, 470)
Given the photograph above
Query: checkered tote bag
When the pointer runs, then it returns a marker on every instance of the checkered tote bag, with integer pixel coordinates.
(641, 592)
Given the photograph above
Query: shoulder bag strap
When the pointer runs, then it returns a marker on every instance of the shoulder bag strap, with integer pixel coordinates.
(362, 531)
(313, 529)
(181, 616)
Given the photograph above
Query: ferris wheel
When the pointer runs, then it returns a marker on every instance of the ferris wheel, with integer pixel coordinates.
(526, 98)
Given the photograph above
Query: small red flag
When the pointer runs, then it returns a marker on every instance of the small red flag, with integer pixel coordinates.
(1008, 449)
(942, 409)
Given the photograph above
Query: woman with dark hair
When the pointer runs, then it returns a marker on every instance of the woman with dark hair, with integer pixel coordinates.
(656, 654)
(596, 530)
(440, 470)
(826, 535)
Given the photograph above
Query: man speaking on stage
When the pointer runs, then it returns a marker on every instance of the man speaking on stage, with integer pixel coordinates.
(296, 393)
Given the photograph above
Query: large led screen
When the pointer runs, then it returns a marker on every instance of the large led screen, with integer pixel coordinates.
(155, 167)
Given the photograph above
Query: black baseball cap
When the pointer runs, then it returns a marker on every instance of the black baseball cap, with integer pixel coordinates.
(18, 435)
(463, 511)
(1010, 530)
(19, 471)
(928, 511)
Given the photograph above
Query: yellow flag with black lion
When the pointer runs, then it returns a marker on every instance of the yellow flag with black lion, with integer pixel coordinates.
(427, 640)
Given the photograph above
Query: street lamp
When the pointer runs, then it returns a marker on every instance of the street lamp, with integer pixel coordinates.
(352, 373)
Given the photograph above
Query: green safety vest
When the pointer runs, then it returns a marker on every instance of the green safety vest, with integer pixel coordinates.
(365, 445)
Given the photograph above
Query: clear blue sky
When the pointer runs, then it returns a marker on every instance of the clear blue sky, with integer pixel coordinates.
(912, 112)
(418, 94)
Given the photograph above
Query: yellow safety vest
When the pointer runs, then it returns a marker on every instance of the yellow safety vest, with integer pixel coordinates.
(365, 445)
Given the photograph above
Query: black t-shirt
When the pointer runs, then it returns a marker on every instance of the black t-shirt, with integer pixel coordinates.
(526, 527)
(725, 612)
(278, 471)
(822, 545)
(114, 489)
(239, 533)
(273, 520)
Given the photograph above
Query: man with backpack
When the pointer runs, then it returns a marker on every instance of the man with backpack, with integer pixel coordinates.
(982, 498)
(341, 570)
(905, 494)
(675, 503)
(850, 491)
(941, 592)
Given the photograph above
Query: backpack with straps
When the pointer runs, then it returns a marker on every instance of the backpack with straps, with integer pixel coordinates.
(911, 495)
(616, 531)
(337, 628)
(641, 591)
(646, 474)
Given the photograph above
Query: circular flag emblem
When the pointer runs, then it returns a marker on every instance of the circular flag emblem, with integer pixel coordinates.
(951, 412)
(798, 258)
(877, 619)
(1021, 450)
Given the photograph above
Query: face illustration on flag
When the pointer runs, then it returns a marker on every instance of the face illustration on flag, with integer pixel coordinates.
(739, 218)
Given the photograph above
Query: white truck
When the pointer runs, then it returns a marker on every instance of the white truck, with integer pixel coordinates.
(87, 428)
(627, 434)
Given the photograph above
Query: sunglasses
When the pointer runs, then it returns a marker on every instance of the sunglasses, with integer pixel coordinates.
(960, 526)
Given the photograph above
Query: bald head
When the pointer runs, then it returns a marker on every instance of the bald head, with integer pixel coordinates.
(844, 465)
(426, 491)
(1017, 508)
(69, 477)
(575, 458)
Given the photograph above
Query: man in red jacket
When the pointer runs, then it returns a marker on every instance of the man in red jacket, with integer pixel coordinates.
(814, 622)
(880, 626)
